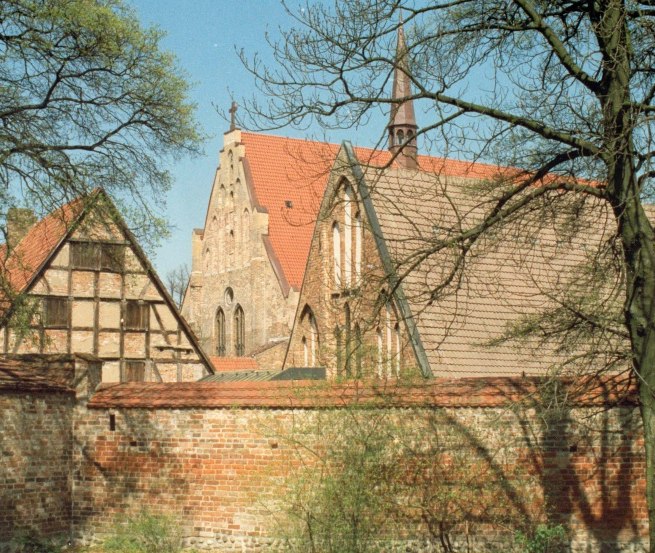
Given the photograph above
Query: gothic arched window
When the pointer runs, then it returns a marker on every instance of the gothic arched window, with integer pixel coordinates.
(348, 352)
(336, 253)
(310, 335)
(337, 339)
(397, 356)
(220, 333)
(239, 331)
(358, 247)
(347, 236)
(358, 351)
(380, 351)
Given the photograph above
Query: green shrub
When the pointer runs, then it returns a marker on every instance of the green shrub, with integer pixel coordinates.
(146, 533)
(544, 539)
(29, 542)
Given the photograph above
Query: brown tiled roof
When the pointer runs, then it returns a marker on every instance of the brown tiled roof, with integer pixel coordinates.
(509, 273)
(221, 364)
(18, 375)
(458, 393)
(296, 171)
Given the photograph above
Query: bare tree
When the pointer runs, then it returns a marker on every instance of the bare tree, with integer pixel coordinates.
(564, 90)
(177, 281)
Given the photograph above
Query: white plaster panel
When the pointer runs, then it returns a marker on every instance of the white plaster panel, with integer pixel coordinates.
(83, 313)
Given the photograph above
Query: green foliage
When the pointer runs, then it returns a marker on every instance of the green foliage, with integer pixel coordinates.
(29, 542)
(369, 480)
(544, 539)
(88, 99)
(146, 533)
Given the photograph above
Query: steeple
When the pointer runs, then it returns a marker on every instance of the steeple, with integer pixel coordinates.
(402, 122)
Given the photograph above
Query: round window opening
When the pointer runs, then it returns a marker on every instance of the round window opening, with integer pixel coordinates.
(229, 296)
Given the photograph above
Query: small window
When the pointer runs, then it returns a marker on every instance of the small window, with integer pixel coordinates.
(112, 257)
(84, 255)
(136, 315)
(94, 255)
(135, 371)
(55, 313)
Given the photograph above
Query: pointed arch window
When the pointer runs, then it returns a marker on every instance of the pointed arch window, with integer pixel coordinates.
(397, 352)
(220, 333)
(358, 248)
(245, 226)
(388, 327)
(310, 336)
(348, 352)
(347, 236)
(305, 351)
(337, 339)
(401, 137)
(221, 196)
(239, 332)
(358, 351)
(380, 351)
(336, 253)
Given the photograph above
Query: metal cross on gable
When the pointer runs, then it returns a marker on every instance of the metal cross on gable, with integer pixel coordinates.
(233, 115)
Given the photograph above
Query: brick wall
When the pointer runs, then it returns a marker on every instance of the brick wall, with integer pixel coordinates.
(225, 458)
(35, 462)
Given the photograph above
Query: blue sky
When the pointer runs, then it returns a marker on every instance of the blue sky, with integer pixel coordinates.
(204, 34)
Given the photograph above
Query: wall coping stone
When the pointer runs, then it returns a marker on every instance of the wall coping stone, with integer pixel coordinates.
(585, 391)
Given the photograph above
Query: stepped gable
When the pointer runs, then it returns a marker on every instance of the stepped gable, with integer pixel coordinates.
(289, 171)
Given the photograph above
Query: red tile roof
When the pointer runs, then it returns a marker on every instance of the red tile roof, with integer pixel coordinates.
(34, 249)
(441, 392)
(294, 170)
(233, 363)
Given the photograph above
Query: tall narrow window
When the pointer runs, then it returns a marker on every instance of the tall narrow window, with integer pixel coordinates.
(208, 261)
(220, 333)
(337, 339)
(348, 358)
(239, 332)
(358, 248)
(380, 352)
(336, 252)
(245, 227)
(388, 359)
(314, 337)
(347, 236)
(358, 351)
(397, 356)
(305, 351)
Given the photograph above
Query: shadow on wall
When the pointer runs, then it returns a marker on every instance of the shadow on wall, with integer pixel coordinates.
(465, 479)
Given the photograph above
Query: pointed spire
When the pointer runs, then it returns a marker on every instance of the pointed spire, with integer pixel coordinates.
(402, 122)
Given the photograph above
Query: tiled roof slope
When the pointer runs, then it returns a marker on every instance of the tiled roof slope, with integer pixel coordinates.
(441, 392)
(289, 169)
(35, 247)
(221, 364)
(20, 375)
(514, 271)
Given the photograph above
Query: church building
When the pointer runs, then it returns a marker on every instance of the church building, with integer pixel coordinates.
(249, 259)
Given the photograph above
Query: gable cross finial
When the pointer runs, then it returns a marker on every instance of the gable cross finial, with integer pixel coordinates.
(233, 115)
